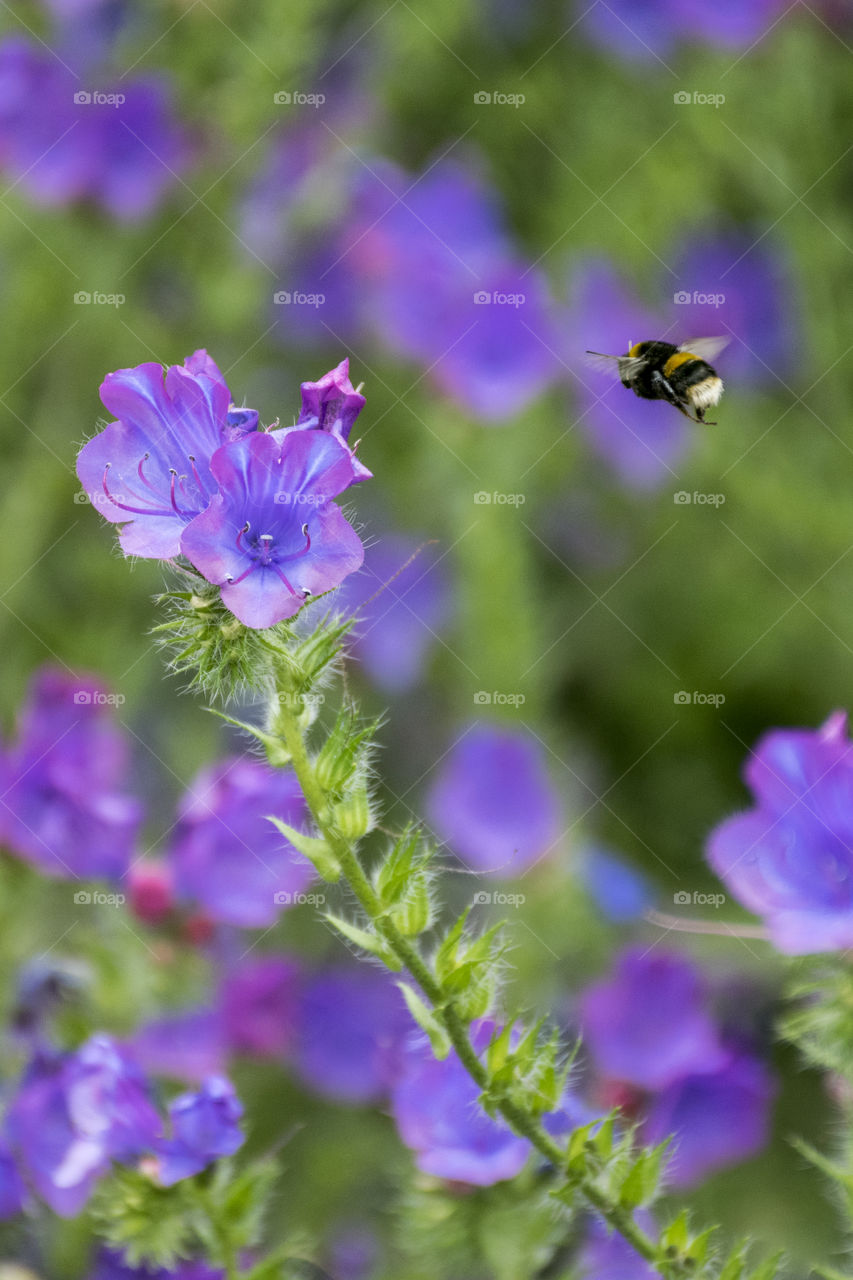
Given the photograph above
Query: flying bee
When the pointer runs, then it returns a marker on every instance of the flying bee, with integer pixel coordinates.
(662, 371)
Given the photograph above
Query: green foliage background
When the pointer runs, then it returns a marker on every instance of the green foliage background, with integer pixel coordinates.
(763, 582)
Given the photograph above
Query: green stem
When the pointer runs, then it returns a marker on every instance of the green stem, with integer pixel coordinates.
(223, 1239)
(523, 1123)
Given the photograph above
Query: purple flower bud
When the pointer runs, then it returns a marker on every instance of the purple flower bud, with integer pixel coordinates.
(272, 536)
(350, 1032)
(789, 858)
(227, 856)
(182, 1046)
(619, 890)
(204, 1125)
(110, 1265)
(649, 1023)
(494, 803)
(62, 805)
(718, 1118)
(332, 405)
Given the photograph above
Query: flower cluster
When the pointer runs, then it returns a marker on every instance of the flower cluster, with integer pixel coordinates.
(790, 858)
(661, 1055)
(185, 473)
(73, 1114)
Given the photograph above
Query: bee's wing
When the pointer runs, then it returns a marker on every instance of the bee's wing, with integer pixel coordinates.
(705, 348)
(615, 366)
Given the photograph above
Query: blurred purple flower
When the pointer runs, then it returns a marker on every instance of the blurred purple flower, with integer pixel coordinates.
(182, 1046)
(435, 1105)
(271, 536)
(618, 889)
(332, 405)
(150, 470)
(789, 858)
(111, 1265)
(395, 633)
(641, 440)
(605, 1255)
(260, 1003)
(649, 1023)
(74, 1113)
(493, 802)
(650, 29)
(350, 1031)
(718, 1118)
(204, 1125)
(62, 805)
(225, 853)
(737, 284)
(12, 1189)
(62, 141)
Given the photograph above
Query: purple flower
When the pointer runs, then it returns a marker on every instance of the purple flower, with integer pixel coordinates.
(605, 1255)
(789, 858)
(62, 805)
(438, 1114)
(649, 1024)
(150, 470)
(643, 441)
(649, 29)
(62, 142)
(74, 1113)
(226, 854)
(183, 1046)
(12, 1190)
(397, 629)
(350, 1030)
(493, 801)
(718, 1118)
(260, 1002)
(738, 285)
(111, 1265)
(332, 405)
(271, 536)
(618, 889)
(205, 1128)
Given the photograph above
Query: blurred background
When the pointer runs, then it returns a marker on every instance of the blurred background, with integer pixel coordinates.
(461, 198)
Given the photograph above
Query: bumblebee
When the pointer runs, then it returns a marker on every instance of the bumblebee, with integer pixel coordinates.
(662, 371)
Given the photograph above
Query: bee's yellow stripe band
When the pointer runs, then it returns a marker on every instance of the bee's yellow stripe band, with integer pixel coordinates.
(680, 357)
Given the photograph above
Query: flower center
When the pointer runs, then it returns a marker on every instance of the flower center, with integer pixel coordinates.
(264, 554)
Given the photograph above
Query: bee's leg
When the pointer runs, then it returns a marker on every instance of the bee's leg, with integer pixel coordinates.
(666, 392)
